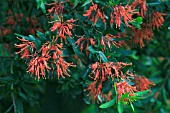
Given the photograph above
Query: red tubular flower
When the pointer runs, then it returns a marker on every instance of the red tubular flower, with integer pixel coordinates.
(124, 87)
(141, 35)
(84, 43)
(56, 8)
(142, 6)
(121, 12)
(156, 19)
(24, 47)
(63, 28)
(110, 39)
(62, 67)
(142, 83)
(98, 14)
(38, 66)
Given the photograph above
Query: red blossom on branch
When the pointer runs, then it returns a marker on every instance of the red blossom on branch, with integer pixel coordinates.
(25, 48)
(84, 43)
(142, 83)
(97, 14)
(63, 28)
(120, 13)
(124, 87)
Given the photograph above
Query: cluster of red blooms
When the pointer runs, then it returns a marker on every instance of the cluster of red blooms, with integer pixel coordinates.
(38, 64)
(101, 72)
(121, 12)
(142, 6)
(97, 14)
(55, 9)
(156, 19)
(140, 35)
(63, 28)
(109, 39)
(84, 43)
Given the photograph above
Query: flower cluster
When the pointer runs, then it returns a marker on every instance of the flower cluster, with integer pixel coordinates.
(142, 6)
(63, 28)
(97, 14)
(141, 35)
(156, 19)
(25, 46)
(49, 53)
(109, 39)
(121, 12)
(101, 72)
(56, 9)
(84, 43)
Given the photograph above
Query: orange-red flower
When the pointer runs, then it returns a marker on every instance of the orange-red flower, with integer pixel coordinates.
(56, 8)
(123, 87)
(142, 6)
(25, 48)
(142, 83)
(97, 14)
(62, 67)
(84, 43)
(121, 12)
(141, 35)
(38, 66)
(157, 19)
(63, 28)
(109, 39)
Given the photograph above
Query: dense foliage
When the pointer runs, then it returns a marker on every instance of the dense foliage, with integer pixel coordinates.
(114, 55)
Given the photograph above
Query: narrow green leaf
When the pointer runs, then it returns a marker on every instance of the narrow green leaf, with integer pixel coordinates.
(103, 57)
(120, 107)
(25, 37)
(108, 104)
(141, 93)
(43, 7)
(93, 51)
(86, 2)
(9, 109)
(133, 109)
(41, 35)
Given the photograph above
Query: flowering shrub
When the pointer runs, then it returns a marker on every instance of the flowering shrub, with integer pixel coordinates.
(88, 42)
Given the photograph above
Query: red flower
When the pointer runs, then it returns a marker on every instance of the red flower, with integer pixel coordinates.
(141, 35)
(121, 12)
(124, 87)
(84, 43)
(38, 66)
(62, 67)
(56, 8)
(63, 28)
(98, 14)
(142, 83)
(110, 39)
(24, 48)
(157, 19)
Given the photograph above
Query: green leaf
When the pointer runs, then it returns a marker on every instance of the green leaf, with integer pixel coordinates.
(133, 109)
(26, 37)
(103, 57)
(93, 51)
(43, 7)
(108, 104)
(120, 107)
(86, 2)
(139, 19)
(75, 2)
(141, 93)
(9, 109)
(41, 35)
